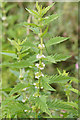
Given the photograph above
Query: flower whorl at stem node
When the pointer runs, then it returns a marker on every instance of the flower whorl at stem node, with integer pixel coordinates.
(38, 75)
(39, 56)
(41, 46)
(40, 66)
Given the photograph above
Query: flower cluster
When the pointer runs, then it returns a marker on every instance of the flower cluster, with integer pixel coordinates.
(41, 46)
(40, 56)
(40, 66)
(38, 75)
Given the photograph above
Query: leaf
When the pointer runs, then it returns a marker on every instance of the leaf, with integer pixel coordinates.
(74, 90)
(18, 88)
(57, 58)
(10, 7)
(9, 53)
(59, 79)
(15, 44)
(34, 29)
(41, 101)
(28, 44)
(16, 73)
(22, 64)
(25, 24)
(56, 40)
(45, 84)
(46, 9)
(49, 19)
(50, 59)
(58, 104)
(34, 13)
(37, 6)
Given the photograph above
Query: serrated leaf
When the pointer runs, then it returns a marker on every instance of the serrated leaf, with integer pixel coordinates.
(15, 44)
(16, 73)
(57, 58)
(22, 64)
(27, 24)
(74, 90)
(56, 40)
(28, 44)
(33, 12)
(18, 88)
(59, 79)
(34, 29)
(9, 53)
(58, 104)
(45, 84)
(46, 9)
(41, 101)
(49, 19)
(37, 6)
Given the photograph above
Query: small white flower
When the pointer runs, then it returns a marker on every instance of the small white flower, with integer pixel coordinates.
(34, 83)
(37, 65)
(36, 87)
(4, 18)
(24, 89)
(41, 87)
(41, 46)
(40, 56)
(26, 97)
(33, 94)
(25, 110)
(23, 101)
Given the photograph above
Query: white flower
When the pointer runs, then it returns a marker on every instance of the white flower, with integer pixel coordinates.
(41, 87)
(24, 89)
(36, 87)
(4, 18)
(41, 46)
(25, 110)
(23, 101)
(38, 74)
(26, 97)
(40, 66)
(40, 56)
(34, 83)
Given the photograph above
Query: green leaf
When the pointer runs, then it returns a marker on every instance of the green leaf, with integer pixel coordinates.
(45, 84)
(74, 90)
(15, 44)
(28, 44)
(21, 64)
(46, 9)
(57, 58)
(56, 40)
(9, 53)
(48, 19)
(25, 24)
(58, 79)
(18, 88)
(33, 12)
(58, 104)
(41, 101)
(37, 6)
(16, 73)
(34, 29)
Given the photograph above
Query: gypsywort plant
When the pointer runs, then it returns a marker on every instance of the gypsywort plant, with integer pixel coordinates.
(31, 97)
